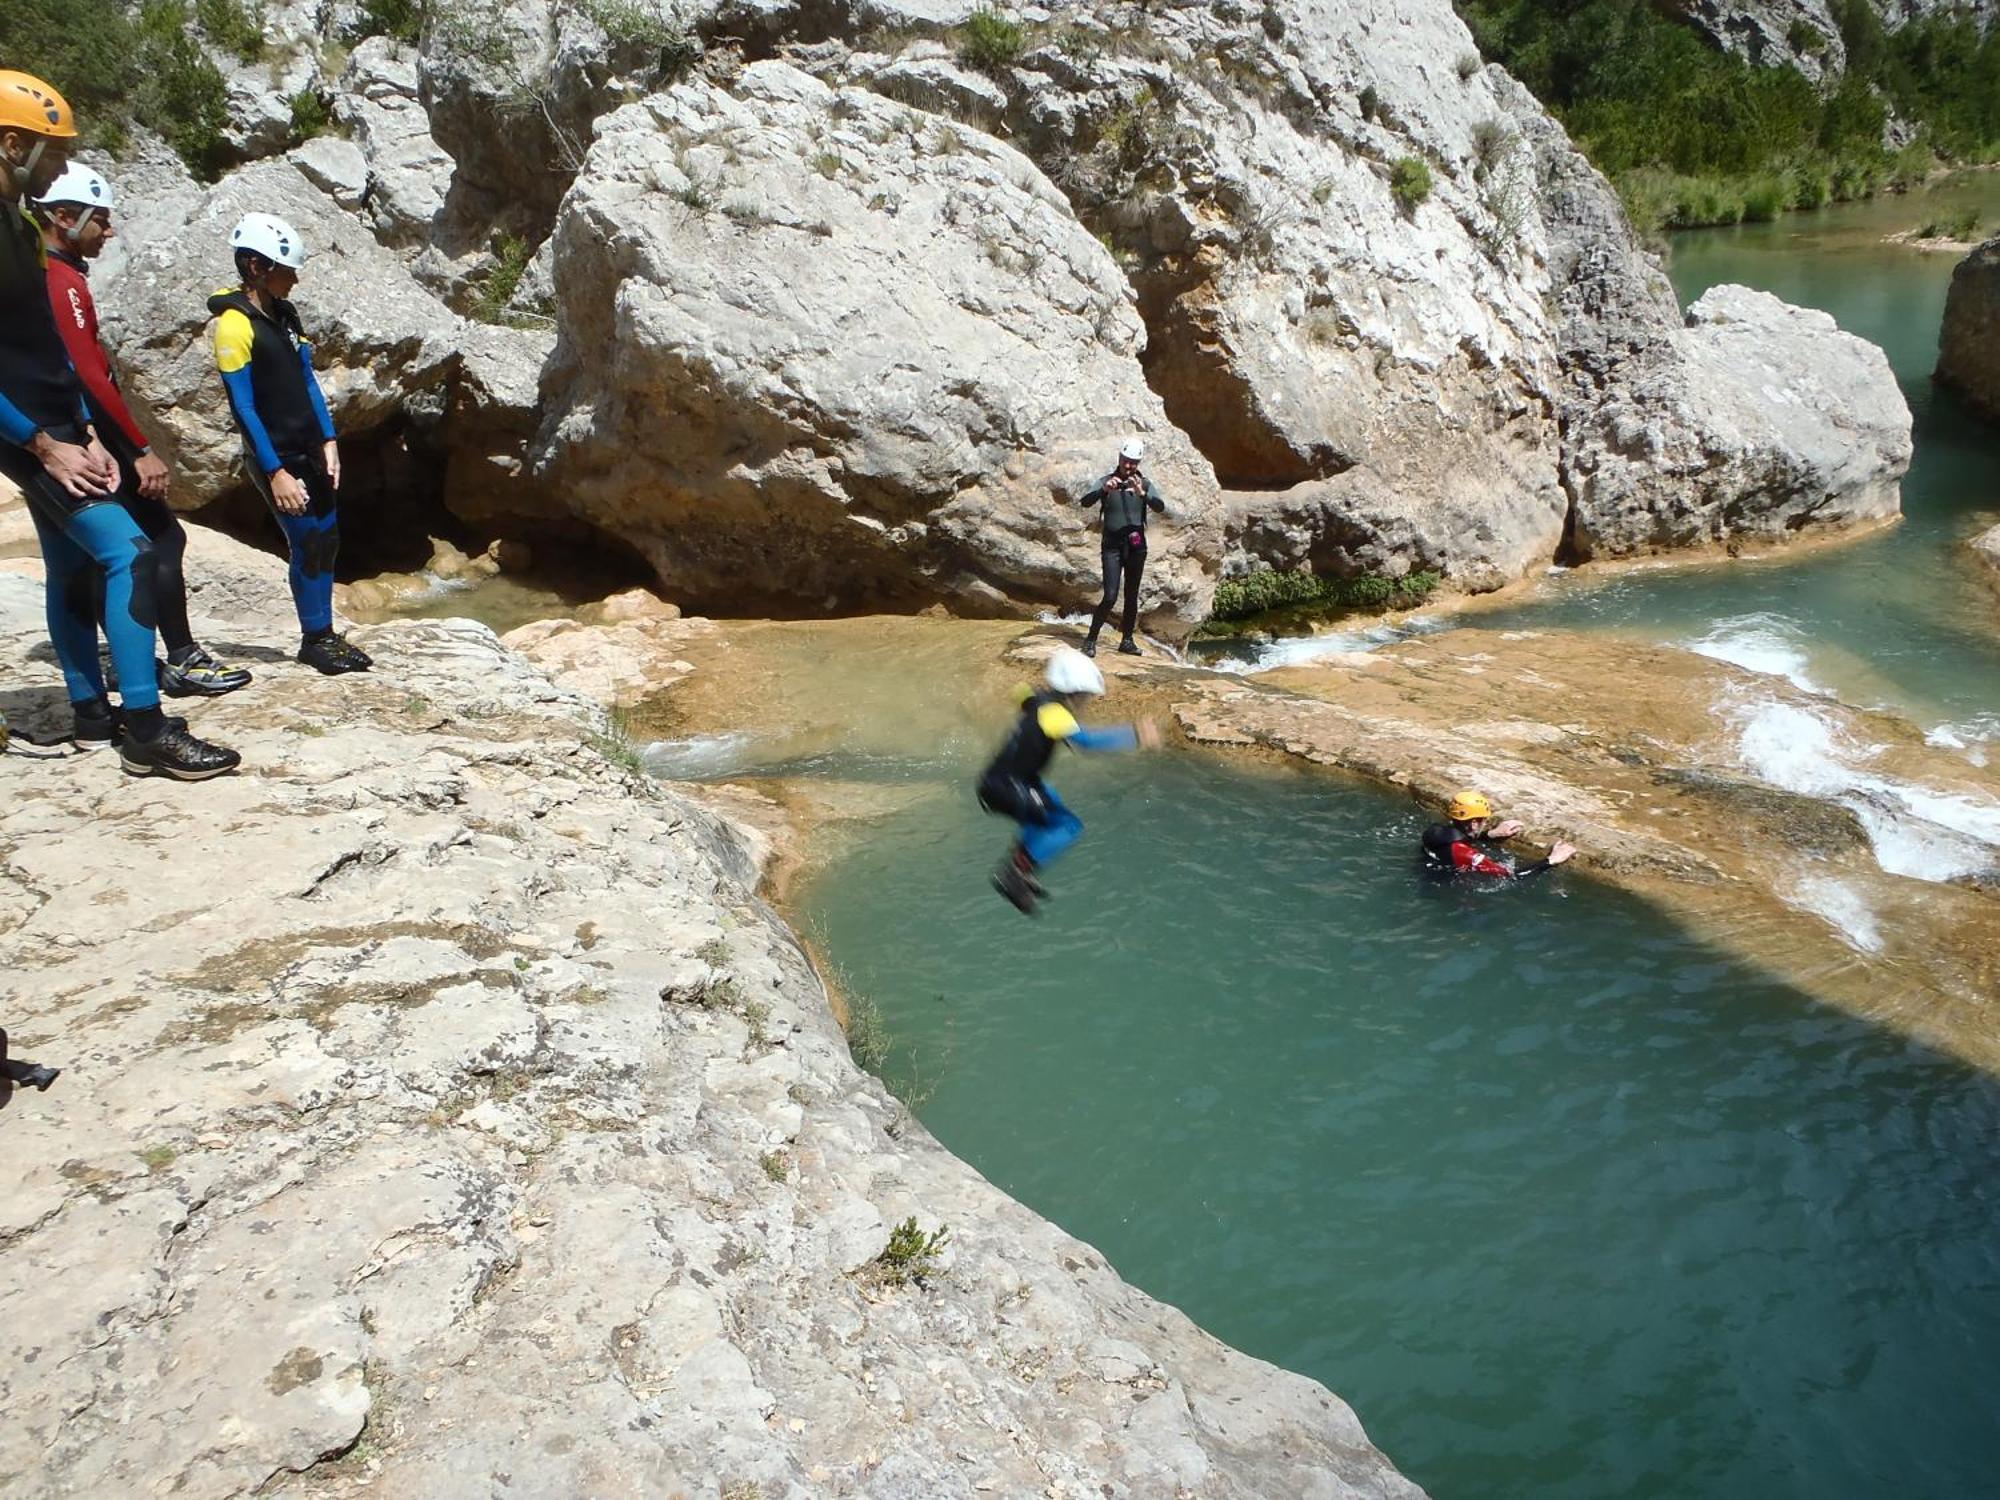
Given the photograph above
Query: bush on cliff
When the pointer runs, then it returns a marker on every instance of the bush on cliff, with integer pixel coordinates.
(1267, 589)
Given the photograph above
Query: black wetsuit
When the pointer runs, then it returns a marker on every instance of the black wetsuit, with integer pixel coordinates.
(1125, 505)
(1450, 849)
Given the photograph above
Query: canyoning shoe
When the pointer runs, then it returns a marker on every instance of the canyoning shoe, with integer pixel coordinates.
(323, 654)
(102, 730)
(1090, 645)
(1129, 647)
(1011, 883)
(39, 1078)
(199, 675)
(176, 753)
(361, 660)
(1026, 868)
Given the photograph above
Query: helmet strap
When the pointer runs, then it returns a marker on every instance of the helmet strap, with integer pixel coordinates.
(26, 169)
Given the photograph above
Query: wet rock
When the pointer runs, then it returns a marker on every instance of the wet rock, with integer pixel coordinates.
(1969, 345)
(1986, 547)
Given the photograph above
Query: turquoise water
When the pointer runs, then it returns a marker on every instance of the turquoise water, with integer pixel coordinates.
(1565, 1203)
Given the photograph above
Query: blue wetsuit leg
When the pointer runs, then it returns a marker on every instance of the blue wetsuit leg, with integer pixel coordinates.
(313, 540)
(1044, 841)
(74, 537)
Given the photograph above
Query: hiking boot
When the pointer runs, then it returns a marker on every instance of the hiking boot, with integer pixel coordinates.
(1015, 886)
(199, 675)
(102, 727)
(324, 654)
(1129, 647)
(176, 753)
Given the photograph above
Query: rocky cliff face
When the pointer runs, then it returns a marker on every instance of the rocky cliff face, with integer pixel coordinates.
(443, 1113)
(827, 308)
(1969, 343)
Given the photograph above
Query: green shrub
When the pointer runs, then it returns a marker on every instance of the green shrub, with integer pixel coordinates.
(232, 26)
(1804, 37)
(1809, 185)
(1410, 182)
(180, 92)
(309, 115)
(990, 42)
(639, 25)
(1956, 224)
(400, 20)
(1369, 102)
(911, 1254)
(1911, 167)
(1268, 589)
(510, 263)
(1765, 199)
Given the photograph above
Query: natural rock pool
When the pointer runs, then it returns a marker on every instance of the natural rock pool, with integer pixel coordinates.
(1561, 1199)
(1564, 1202)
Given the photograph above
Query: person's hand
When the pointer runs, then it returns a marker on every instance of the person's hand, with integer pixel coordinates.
(331, 456)
(1148, 732)
(1508, 829)
(1562, 853)
(152, 476)
(287, 493)
(75, 467)
(102, 462)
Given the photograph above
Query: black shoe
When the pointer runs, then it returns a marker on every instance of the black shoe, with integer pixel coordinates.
(324, 654)
(1090, 645)
(40, 1078)
(361, 660)
(176, 753)
(199, 675)
(1129, 647)
(103, 728)
(96, 727)
(1011, 883)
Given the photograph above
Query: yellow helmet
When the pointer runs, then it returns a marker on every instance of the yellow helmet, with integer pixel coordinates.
(26, 103)
(1469, 805)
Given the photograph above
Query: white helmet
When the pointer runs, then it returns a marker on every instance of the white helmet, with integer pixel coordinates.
(1133, 449)
(270, 237)
(78, 186)
(1070, 671)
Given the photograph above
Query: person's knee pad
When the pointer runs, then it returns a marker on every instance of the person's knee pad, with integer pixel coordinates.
(318, 549)
(145, 605)
(81, 590)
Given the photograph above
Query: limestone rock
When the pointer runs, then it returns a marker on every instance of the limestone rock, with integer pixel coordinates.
(874, 381)
(260, 89)
(1969, 345)
(627, 606)
(1986, 547)
(404, 1098)
(409, 173)
(1748, 419)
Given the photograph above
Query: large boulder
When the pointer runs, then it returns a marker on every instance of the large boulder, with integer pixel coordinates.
(1748, 419)
(1969, 344)
(822, 350)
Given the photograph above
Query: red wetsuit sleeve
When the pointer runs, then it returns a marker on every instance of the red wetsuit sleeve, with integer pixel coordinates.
(1468, 859)
(76, 317)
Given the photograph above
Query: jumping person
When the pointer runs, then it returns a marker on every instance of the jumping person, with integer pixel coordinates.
(1012, 785)
(50, 450)
(75, 215)
(266, 365)
(1469, 843)
(1125, 495)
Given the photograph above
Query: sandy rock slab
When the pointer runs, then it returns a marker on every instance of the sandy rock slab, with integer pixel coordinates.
(444, 1114)
(1831, 845)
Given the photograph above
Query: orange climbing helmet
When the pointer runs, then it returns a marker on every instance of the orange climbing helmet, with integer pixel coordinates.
(26, 103)
(1469, 805)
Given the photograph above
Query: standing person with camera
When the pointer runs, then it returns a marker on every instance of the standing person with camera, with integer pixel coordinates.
(1125, 495)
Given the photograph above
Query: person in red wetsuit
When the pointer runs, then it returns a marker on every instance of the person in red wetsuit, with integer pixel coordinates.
(75, 218)
(1470, 843)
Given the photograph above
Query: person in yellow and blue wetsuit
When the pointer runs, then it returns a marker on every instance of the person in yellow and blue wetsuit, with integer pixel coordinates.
(1012, 784)
(49, 447)
(266, 364)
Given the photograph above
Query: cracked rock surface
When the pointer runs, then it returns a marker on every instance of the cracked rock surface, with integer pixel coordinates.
(443, 1113)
